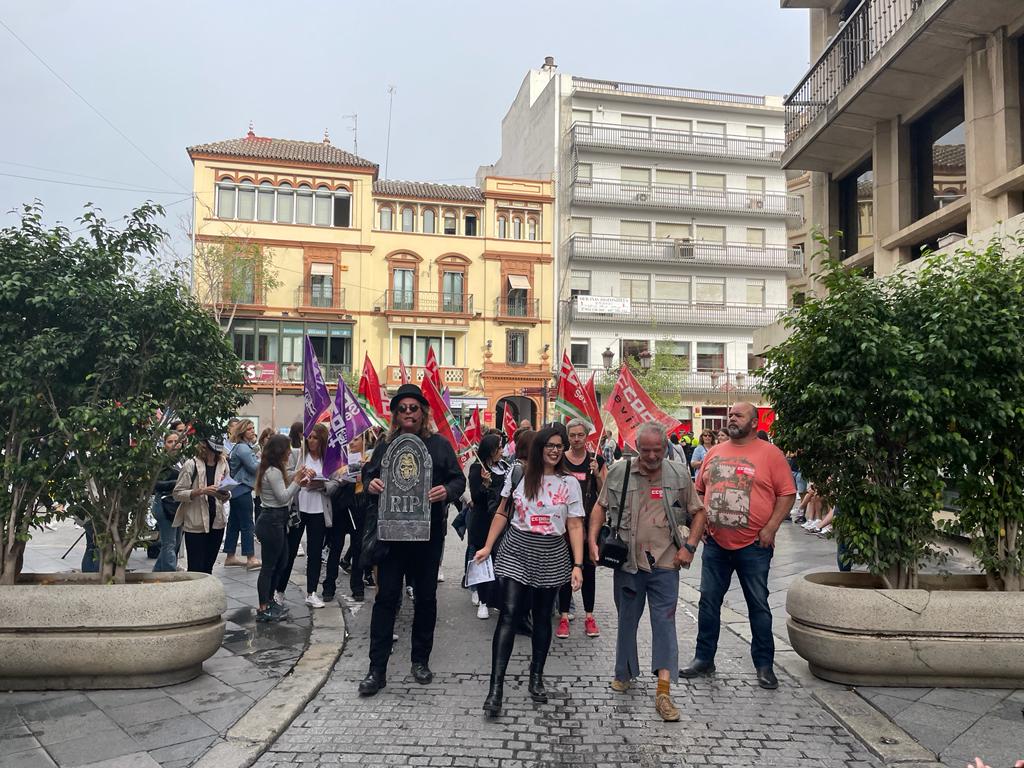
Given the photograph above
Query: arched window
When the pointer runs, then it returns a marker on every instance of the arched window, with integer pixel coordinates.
(471, 221)
(247, 201)
(304, 205)
(429, 221)
(408, 219)
(285, 203)
(386, 217)
(322, 214)
(342, 208)
(226, 199)
(517, 228)
(531, 228)
(502, 227)
(451, 226)
(265, 202)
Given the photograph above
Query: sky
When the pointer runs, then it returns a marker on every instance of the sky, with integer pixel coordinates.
(155, 78)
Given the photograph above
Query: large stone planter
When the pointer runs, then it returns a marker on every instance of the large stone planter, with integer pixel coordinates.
(950, 632)
(69, 631)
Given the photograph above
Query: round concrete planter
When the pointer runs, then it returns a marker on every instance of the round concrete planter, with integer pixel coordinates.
(69, 631)
(951, 632)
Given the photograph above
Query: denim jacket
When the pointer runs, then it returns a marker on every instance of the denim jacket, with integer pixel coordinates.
(244, 465)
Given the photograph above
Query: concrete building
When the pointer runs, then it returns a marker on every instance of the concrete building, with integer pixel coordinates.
(379, 267)
(906, 131)
(670, 228)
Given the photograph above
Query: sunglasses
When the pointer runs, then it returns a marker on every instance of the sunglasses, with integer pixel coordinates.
(410, 408)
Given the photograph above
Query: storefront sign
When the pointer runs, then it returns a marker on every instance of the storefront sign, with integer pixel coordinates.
(259, 373)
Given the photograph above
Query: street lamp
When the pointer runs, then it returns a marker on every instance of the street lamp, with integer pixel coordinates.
(645, 360)
(606, 358)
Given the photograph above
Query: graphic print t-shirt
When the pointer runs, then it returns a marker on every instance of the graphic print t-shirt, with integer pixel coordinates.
(740, 484)
(559, 498)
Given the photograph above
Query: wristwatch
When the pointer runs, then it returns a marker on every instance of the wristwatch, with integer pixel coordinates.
(578, 565)
(689, 548)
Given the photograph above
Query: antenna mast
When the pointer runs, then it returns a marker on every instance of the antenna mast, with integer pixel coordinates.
(391, 103)
(355, 131)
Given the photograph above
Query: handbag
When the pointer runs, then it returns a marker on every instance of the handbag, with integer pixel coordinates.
(611, 549)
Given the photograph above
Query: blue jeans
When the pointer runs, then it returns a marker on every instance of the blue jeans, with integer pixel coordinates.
(660, 590)
(90, 560)
(170, 541)
(751, 566)
(240, 522)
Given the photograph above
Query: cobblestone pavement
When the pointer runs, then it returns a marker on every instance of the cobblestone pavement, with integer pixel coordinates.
(169, 726)
(726, 720)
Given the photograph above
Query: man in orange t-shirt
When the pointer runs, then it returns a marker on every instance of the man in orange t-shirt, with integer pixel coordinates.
(748, 491)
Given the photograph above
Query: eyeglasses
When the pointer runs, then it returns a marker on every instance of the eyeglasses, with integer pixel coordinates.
(554, 447)
(410, 408)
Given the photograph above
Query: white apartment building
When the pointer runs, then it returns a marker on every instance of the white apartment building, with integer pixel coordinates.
(671, 217)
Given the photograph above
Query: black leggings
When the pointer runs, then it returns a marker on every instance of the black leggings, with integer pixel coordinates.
(588, 590)
(294, 539)
(317, 534)
(516, 600)
(202, 549)
(271, 530)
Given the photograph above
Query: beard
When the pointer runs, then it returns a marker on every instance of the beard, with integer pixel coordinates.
(737, 432)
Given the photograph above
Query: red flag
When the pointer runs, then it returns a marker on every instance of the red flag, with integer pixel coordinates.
(443, 418)
(594, 414)
(630, 406)
(432, 369)
(403, 372)
(571, 400)
(474, 431)
(508, 423)
(371, 390)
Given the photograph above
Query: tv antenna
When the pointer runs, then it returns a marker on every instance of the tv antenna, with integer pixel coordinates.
(387, 150)
(355, 131)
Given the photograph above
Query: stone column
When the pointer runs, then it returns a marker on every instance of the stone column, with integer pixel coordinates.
(893, 191)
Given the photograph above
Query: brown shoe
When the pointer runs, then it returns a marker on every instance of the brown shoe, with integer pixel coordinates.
(664, 706)
(620, 686)
(231, 560)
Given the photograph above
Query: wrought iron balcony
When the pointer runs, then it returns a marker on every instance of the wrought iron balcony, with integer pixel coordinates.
(427, 301)
(871, 26)
(612, 87)
(457, 378)
(635, 194)
(623, 311)
(506, 307)
(661, 141)
(314, 297)
(682, 252)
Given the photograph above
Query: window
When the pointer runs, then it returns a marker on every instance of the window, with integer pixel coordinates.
(342, 208)
(285, 203)
(517, 295)
(938, 159)
(579, 226)
(755, 131)
(323, 212)
(756, 236)
(243, 338)
(582, 116)
(416, 353)
(304, 205)
(633, 348)
(531, 228)
(579, 353)
(321, 285)
(584, 173)
(247, 201)
(710, 290)
(710, 356)
(515, 347)
(502, 227)
(711, 234)
(716, 129)
(265, 202)
(711, 181)
(640, 230)
(429, 221)
(243, 277)
(754, 362)
(675, 124)
(672, 288)
(452, 297)
(403, 286)
(408, 220)
(636, 175)
(679, 351)
(450, 226)
(636, 121)
(470, 224)
(664, 229)
(636, 287)
(755, 292)
(292, 337)
(517, 228)
(856, 218)
(679, 178)
(386, 217)
(226, 200)
(755, 184)
(579, 283)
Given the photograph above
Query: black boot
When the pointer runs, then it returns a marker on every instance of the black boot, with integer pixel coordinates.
(373, 682)
(492, 704)
(536, 687)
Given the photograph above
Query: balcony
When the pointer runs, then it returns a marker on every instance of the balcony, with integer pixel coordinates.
(455, 304)
(612, 88)
(263, 373)
(676, 197)
(659, 141)
(681, 252)
(307, 298)
(455, 378)
(622, 311)
(507, 309)
(700, 382)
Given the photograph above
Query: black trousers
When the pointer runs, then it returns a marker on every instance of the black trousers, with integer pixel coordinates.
(272, 531)
(588, 590)
(516, 601)
(317, 534)
(418, 561)
(202, 549)
(294, 539)
(353, 520)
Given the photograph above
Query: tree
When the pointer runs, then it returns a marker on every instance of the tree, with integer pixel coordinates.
(663, 381)
(232, 270)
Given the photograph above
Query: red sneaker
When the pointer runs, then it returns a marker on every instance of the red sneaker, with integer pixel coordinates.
(591, 627)
(563, 629)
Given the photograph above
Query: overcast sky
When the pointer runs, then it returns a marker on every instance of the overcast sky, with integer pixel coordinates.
(169, 75)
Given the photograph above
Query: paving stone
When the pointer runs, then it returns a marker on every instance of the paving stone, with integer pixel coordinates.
(134, 760)
(91, 749)
(166, 733)
(33, 758)
(187, 751)
(146, 711)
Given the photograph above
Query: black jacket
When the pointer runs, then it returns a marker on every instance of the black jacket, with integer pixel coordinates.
(485, 503)
(447, 472)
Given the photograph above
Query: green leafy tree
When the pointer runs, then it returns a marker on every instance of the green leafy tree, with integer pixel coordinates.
(663, 381)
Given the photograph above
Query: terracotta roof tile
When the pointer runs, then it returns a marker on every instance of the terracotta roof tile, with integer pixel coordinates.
(428, 190)
(285, 150)
(949, 155)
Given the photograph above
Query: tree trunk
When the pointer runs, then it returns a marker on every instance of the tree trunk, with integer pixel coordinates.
(13, 557)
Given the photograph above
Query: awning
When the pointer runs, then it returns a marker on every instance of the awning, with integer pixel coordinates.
(519, 282)
(321, 269)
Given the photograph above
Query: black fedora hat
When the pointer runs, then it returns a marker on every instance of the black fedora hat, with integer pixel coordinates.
(409, 390)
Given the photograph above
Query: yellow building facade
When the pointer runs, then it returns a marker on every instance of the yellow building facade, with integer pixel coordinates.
(378, 267)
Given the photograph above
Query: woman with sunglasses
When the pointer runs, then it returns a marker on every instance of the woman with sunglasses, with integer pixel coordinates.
(533, 559)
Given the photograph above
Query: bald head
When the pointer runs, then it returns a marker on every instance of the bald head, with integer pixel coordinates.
(742, 422)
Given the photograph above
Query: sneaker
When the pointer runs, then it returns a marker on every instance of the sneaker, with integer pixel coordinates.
(440, 576)
(313, 600)
(346, 566)
(267, 616)
(563, 629)
(590, 627)
(328, 597)
(358, 597)
(800, 520)
(664, 707)
(808, 524)
(408, 591)
(278, 610)
(482, 611)
(813, 527)
(474, 597)
(279, 598)
(620, 686)
(823, 532)
(368, 581)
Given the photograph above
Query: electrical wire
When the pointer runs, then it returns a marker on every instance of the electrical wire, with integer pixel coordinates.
(65, 172)
(93, 186)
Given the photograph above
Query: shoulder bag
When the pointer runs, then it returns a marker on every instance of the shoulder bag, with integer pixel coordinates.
(611, 549)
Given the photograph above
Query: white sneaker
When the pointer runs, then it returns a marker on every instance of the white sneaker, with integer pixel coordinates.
(279, 598)
(474, 597)
(824, 531)
(313, 600)
(814, 526)
(440, 576)
(482, 612)
(301, 552)
(809, 524)
(408, 591)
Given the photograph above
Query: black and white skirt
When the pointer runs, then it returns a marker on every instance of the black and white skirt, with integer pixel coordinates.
(533, 559)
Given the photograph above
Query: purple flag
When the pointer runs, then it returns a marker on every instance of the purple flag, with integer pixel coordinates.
(348, 420)
(317, 405)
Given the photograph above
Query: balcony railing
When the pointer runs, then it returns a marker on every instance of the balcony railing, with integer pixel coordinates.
(426, 301)
(450, 376)
(636, 194)
(636, 312)
(662, 141)
(871, 26)
(641, 89)
(528, 309)
(682, 252)
(291, 373)
(316, 298)
(699, 381)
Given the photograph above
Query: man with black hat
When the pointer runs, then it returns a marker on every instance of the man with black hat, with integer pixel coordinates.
(419, 560)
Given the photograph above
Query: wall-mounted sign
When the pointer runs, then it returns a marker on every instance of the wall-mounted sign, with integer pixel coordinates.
(603, 305)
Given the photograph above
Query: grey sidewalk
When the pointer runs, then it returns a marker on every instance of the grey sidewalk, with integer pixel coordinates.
(170, 726)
